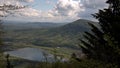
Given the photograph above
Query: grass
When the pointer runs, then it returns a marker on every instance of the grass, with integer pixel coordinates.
(72, 64)
(22, 63)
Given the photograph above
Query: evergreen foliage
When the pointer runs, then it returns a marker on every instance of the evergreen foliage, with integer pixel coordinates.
(8, 62)
(104, 44)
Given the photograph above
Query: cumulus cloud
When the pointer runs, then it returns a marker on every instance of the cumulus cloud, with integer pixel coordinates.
(75, 9)
(91, 7)
(67, 8)
(26, 0)
(64, 10)
(94, 3)
(25, 11)
(30, 12)
(10, 2)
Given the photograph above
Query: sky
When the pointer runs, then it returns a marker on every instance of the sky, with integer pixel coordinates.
(53, 10)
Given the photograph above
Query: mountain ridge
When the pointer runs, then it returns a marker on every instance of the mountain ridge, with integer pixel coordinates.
(63, 36)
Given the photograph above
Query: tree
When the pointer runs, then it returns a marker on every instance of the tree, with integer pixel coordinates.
(104, 43)
(8, 62)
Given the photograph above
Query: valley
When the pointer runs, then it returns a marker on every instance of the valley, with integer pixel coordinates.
(54, 36)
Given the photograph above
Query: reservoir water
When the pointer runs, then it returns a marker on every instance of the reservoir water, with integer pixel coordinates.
(34, 54)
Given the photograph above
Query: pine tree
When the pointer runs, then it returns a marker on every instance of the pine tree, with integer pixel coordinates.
(8, 64)
(104, 43)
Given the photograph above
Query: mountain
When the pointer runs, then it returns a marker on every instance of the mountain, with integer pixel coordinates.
(78, 26)
(64, 35)
(68, 35)
(74, 28)
(28, 25)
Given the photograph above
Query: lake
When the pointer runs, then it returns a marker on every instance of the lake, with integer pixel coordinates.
(34, 54)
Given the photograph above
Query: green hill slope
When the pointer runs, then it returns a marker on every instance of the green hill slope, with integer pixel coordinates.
(62, 36)
(75, 27)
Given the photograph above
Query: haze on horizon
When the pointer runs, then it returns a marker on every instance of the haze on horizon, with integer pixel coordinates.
(53, 10)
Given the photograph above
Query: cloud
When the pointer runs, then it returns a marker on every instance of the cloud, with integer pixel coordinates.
(28, 12)
(25, 11)
(91, 7)
(10, 2)
(67, 8)
(94, 3)
(64, 10)
(75, 9)
(27, 0)
(1, 13)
